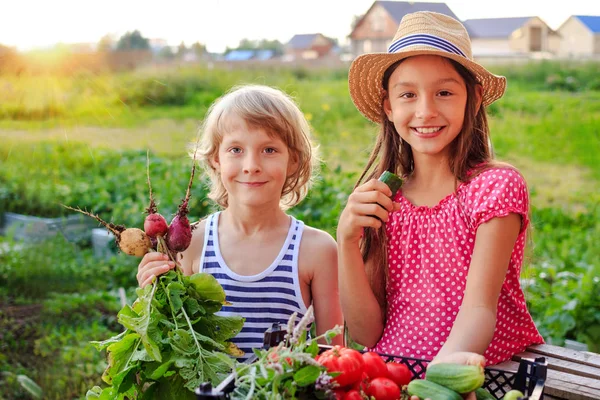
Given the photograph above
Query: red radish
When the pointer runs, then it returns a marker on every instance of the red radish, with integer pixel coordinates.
(132, 241)
(179, 235)
(154, 224)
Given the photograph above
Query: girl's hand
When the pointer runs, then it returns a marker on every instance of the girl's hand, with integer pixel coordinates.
(459, 357)
(368, 206)
(152, 265)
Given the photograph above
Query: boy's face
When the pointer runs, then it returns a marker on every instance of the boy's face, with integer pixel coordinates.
(426, 103)
(253, 165)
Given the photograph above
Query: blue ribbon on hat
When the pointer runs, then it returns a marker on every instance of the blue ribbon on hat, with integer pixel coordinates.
(429, 40)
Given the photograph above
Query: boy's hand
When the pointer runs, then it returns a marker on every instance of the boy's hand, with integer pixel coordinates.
(152, 265)
(367, 206)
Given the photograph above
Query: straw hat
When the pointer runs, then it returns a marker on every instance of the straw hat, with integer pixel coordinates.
(419, 33)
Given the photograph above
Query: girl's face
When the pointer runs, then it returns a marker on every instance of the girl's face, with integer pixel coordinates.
(426, 103)
(253, 165)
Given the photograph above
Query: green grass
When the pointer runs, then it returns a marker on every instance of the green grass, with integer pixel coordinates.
(550, 127)
(552, 136)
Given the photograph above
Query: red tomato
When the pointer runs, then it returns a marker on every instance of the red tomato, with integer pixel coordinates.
(344, 360)
(352, 395)
(362, 383)
(339, 394)
(399, 373)
(383, 389)
(374, 365)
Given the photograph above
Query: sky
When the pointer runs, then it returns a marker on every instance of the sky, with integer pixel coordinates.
(29, 24)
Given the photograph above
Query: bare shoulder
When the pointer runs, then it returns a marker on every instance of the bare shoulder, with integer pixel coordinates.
(317, 239)
(318, 247)
(190, 258)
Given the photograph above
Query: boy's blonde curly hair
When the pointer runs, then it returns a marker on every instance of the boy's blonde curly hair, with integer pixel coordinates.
(278, 114)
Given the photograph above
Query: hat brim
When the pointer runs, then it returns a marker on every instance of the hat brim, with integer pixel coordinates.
(366, 75)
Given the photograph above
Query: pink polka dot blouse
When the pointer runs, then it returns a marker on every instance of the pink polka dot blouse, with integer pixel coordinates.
(429, 252)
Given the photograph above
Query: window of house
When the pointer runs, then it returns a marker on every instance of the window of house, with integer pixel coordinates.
(367, 46)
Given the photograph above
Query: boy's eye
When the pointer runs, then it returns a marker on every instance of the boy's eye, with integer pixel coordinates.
(235, 150)
(270, 150)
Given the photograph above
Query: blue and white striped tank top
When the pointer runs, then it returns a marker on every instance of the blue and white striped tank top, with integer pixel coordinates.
(271, 296)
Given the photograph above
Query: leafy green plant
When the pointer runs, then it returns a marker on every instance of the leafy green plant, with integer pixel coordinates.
(168, 90)
(326, 200)
(289, 370)
(25, 382)
(558, 82)
(117, 186)
(563, 285)
(173, 340)
(60, 266)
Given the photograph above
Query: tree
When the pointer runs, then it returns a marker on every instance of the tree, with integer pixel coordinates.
(133, 41)
(198, 49)
(6, 51)
(106, 44)
(274, 45)
(246, 44)
(181, 50)
(10, 60)
(166, 53)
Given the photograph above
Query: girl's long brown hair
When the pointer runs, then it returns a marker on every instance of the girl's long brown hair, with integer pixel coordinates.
(470, 151)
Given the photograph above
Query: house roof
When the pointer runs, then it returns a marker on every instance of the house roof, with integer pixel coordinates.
(239, 55)
(303, 41)
(264, 54)
(399, 9)
(590, 21)
(494, 27)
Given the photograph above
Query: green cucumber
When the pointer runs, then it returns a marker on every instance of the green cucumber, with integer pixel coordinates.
(483, 394)
(425, 389)
(458, 377)
(392, 180)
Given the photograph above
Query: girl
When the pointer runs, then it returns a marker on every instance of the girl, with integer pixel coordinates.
(257, 151)
(440, 274)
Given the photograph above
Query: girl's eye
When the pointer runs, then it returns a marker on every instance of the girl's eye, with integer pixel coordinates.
(235, 150)
(445, 93)
(270, 150)
(407, 95)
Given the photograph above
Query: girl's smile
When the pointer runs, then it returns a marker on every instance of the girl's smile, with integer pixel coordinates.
(428, 132)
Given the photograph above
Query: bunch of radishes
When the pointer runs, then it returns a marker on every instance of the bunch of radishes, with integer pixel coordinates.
(157, 235)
